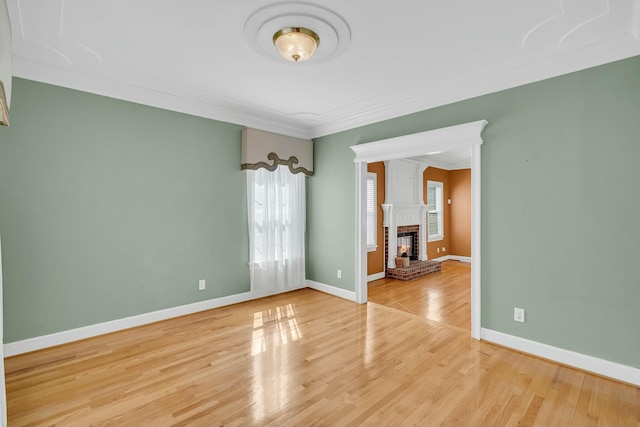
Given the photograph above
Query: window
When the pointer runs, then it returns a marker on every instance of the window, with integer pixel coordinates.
(276, 214)
(372, 211)
(435, 215)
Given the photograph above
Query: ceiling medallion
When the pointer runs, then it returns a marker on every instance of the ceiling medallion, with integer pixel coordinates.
(301, 32)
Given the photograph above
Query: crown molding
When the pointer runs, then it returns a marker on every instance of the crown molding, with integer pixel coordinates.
(407, 100)
(172, 97)
(551, 64)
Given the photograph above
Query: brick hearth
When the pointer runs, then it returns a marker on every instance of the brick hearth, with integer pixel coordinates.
(415, 269)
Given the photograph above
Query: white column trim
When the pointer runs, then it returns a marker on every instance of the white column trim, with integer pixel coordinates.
(424, 233)
(392, 242)
(361, 233)
(476, 294)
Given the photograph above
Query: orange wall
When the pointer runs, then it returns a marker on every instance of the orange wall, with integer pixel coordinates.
(375, 260)
(457, 216)
(460, 194)
(441, 175)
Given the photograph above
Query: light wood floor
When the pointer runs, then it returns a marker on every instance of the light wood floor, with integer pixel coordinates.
(443, 297)
(304, 358)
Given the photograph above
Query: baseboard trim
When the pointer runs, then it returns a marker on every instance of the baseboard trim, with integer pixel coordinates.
(376, 276)
(332, 290)
(58, 338)
(605, 368)
(453, 258)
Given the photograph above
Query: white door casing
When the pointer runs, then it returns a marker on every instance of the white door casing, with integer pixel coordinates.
(422, 144)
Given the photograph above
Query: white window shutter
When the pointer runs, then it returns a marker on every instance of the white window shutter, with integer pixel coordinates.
(435, 206)
(371, 211)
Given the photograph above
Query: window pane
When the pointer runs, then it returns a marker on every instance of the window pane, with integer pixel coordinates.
(371, 210)
(433, 223)
(435, 206)
(438, 199)
(431, 198)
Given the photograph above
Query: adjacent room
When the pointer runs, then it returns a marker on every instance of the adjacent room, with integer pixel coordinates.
(435, 280)
(319, 213)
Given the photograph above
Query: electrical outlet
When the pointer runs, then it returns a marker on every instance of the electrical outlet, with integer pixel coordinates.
(202, 285)
(518, 314)
(444, 249)
(437, 250)
(339, 274)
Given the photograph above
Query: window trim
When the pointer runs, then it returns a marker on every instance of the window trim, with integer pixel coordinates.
(440, 236)
(372, 176)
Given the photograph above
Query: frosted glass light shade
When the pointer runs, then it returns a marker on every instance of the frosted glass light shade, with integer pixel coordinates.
(296, 44)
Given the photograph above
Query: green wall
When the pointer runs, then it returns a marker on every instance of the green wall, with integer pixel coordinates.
(331, 242)
(560, 207)
(110, 209)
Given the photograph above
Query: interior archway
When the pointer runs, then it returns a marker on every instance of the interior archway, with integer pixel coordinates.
(422, 144)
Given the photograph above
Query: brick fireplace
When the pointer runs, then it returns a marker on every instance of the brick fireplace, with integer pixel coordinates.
(405, 215)
(417, 268)
(413, 230)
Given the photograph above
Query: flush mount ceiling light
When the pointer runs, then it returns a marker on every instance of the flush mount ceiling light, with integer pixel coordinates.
(307, 23)
(296, 44)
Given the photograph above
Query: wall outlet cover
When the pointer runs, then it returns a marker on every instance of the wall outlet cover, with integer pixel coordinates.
(518, 314)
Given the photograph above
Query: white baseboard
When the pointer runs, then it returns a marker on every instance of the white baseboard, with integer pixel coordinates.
(376, 276)
(37, 343)
(606, 368)
(332, 290)
(453, 257)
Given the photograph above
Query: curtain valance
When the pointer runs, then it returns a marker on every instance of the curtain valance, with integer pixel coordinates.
(268, 150)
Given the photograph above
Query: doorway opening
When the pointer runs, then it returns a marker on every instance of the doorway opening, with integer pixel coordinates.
(421, 144)
(438, 288)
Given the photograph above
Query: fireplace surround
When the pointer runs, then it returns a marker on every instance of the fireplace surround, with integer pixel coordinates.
(404, 208)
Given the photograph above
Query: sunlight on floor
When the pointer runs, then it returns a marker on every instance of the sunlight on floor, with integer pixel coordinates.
(434, 304)
(274, 327)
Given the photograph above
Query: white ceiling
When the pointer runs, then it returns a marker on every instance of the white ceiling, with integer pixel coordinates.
(459, 158)
(403, 56)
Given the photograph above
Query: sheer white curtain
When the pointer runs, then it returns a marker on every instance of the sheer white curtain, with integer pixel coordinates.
(277, 219)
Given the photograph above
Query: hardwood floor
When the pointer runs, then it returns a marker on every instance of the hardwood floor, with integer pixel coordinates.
(442, 297)
(304, 358)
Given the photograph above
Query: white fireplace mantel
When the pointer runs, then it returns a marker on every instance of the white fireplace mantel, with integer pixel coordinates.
(404, 203)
